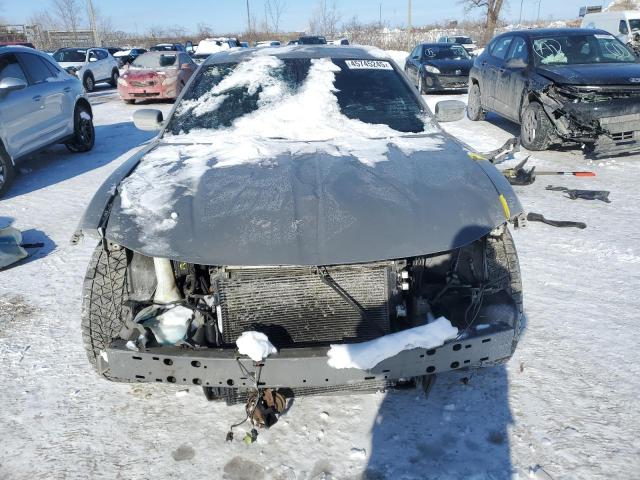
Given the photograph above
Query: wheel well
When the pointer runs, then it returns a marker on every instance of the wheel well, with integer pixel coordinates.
(88, 73)
(82, 102)
(474, 81)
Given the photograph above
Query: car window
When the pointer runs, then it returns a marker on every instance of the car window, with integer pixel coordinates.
(572, 49)
(500, 47)
(70, 55)
(416, 52)
(634, 24)
(37, 70)
(102, 54)
(622, 28)
(518, 50)
(93, 54)
(10, 68)
(445, 52)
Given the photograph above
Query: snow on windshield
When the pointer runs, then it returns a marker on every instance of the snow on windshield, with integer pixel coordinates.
(287, 121)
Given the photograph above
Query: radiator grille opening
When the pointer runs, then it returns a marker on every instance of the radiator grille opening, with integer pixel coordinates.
(295, 307)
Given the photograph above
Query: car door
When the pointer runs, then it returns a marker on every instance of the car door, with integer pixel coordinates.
(412, 66)
(18, 111)
(50, 120)
(104, 64)
(512, 79)
(492, 65)
(93, 64)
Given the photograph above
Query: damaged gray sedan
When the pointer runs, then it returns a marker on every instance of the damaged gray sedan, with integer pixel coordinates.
(301, 222)
(563, 86)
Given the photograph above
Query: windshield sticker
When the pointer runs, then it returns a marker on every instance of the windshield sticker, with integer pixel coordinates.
(600, 36)
(368, 65)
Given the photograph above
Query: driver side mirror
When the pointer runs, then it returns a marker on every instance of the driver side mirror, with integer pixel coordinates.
(11, 84)
(517, 63)
(148, 119)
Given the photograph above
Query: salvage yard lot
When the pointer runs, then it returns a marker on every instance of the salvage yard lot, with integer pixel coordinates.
(566, 406)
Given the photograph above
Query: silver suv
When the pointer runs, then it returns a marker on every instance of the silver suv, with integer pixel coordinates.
(91, 65)
(40, 104)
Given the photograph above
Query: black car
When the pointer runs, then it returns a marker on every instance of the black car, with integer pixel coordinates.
(312, 40)
(439, 66)
(130, 56)
(561, 85)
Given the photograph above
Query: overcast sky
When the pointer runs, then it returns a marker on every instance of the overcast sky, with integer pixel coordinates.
(230, 15)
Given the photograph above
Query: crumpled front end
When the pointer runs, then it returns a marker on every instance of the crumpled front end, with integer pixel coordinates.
(149, 85)
(605, 118)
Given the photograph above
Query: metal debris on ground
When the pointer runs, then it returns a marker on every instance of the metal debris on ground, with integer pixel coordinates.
(518, 175)
(537, 217)
(602, 195)
(11, 249)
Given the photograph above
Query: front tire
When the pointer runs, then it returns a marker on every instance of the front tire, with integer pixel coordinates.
(129, 101)
(474, 104)
(535, 128)
(114, 78)
(89, 82)
(421, 85)
(83, 131)
(7, 171)
(104, 292)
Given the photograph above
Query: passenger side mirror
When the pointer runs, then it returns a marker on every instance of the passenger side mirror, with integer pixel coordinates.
(93, 59)
(148, 119)
(516, 63)
(449, 110)
(11, 84)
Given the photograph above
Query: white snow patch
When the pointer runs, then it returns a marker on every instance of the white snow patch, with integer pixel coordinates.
(255, 345)
(367, 355)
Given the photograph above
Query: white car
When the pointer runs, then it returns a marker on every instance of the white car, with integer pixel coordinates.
(624, 25)
(40, 104)
(467, 42)
(91, 65)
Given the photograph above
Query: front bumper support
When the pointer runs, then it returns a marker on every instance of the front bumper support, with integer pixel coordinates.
(296, 367)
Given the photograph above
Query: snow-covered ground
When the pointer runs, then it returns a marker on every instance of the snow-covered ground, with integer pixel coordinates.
(566, 406)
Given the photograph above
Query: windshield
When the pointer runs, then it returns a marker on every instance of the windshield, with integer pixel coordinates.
(634, 24)
(70, 55)
(463, 40)
(580, 49)
(155, 60)
(298, 93)
(445, 52)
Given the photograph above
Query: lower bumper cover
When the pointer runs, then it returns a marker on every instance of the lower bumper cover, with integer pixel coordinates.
(299, 367)
(446, 82)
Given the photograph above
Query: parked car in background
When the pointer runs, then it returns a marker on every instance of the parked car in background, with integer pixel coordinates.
(561, 85)
(267, 43)
(244, 44)
(210, 46)
(467, 42)
(156, 75)
(168, 47)
(127, 56)
(17, 44)
(439, 66)
(40, 104)
(339, 41)
(191, 275)
(312, 40)
(90, 65)
(623, 24)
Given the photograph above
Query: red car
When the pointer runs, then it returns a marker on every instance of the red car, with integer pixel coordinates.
(156, 75)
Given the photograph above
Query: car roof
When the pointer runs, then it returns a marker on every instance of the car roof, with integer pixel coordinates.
(440, 44)
(300, 51)
(539, 32)
(19, 48)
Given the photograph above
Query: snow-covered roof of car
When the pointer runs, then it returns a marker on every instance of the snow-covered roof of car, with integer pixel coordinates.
(301, 51)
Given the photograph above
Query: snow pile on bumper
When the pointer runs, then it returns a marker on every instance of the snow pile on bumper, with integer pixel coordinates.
(367, 355)
(255, 345)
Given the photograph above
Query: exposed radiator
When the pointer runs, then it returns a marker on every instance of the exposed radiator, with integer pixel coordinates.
(295, 307)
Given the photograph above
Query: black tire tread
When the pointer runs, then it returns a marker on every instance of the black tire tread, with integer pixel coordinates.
(105, 289)
(545, 129)
(9, 170)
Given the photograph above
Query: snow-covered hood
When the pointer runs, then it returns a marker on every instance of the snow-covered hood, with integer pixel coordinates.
(76, 65)
(306, 208)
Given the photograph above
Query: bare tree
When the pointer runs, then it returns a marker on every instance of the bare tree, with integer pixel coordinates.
(273, 12)
(325, 18)
(624, 5)
(67, 13)
(492, 10)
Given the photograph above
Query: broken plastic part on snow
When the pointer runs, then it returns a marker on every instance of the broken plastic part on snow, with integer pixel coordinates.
(10, 240)
(169, 324)
(255, 345)
(367, 355)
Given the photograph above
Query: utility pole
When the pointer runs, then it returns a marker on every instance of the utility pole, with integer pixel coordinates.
(248, 18)
(538, 19)
(94, 27)
(409, 16)
(380, 15)
(520, 20)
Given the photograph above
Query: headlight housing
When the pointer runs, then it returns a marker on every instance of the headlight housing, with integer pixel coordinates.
(431, 69)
